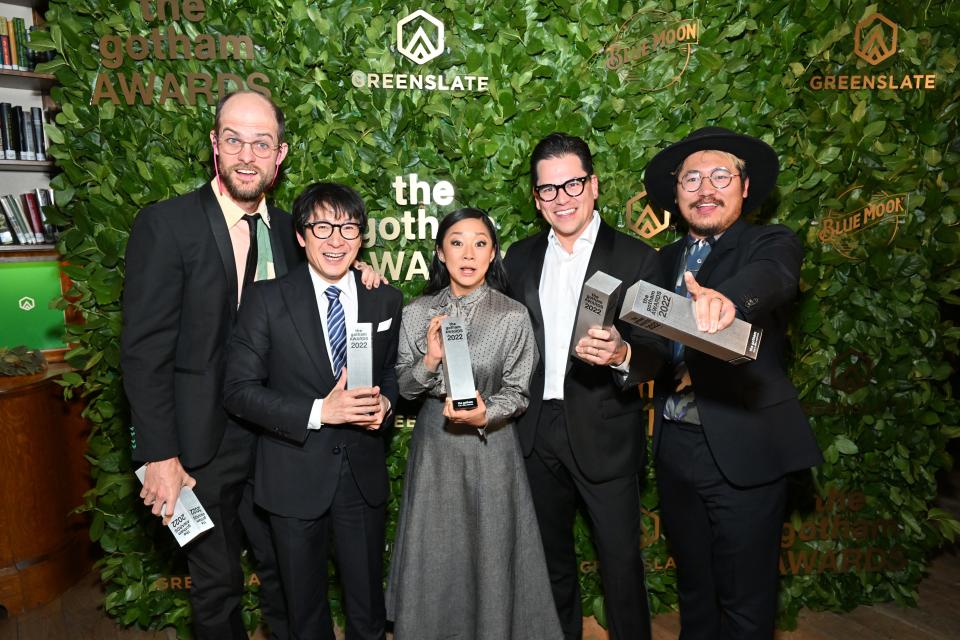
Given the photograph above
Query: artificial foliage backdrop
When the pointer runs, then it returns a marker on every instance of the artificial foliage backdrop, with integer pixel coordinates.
(860, 100)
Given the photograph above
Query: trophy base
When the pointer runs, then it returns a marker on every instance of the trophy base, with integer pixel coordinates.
(466, 403)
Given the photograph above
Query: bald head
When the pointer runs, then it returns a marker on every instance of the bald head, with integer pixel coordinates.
(249, 100)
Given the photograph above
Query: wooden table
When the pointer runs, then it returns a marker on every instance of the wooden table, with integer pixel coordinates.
(44, 549)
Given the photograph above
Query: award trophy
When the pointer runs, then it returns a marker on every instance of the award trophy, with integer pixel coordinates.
(597, 308)
(457, 368)
(671, 315)
(359, 355)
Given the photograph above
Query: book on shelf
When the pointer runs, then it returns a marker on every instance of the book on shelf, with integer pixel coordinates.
(21, 31)
(6, 131)
(45, 199)
(5, 62)
(25, 151)
(6, 232)
(39, 141)
(12, 37)
(28, 204)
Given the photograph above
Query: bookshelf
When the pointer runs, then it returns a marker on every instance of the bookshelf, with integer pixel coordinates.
(27, 92)
(30, 274)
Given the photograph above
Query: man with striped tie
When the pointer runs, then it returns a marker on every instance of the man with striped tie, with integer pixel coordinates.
(321, 464)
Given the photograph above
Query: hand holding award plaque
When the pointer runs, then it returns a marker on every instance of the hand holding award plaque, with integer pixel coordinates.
(457, 367)
(675, 317)
(595, 316)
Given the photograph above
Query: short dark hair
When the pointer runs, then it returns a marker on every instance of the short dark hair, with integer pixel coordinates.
(281, 123)
(496, 273)
(560, 144)
(343, 201)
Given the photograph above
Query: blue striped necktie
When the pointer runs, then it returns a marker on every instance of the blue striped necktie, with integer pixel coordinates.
(336, 330)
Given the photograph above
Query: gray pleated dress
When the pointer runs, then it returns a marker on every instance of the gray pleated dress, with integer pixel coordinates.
(467, 561)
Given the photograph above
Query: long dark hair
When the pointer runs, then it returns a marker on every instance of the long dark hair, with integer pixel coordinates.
(439, 276)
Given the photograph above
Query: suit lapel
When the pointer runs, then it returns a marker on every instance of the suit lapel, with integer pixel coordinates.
(367, 306)
(599, 260)
(531, 289)
(218, 226)
(276, 246)
(301, 300)
(670, 258)
(725, 244)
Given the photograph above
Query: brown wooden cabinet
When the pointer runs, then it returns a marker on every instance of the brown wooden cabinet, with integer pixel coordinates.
(44, 547)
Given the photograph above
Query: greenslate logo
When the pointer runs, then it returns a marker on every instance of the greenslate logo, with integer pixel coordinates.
(419, 47)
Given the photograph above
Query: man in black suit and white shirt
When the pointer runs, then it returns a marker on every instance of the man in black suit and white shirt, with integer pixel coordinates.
(583, 433)
(321, 463)
(726, 435)
(187, 262)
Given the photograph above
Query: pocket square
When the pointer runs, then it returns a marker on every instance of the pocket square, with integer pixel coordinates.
(383, 326)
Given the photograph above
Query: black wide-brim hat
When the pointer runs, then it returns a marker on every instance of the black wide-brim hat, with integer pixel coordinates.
(762, 165)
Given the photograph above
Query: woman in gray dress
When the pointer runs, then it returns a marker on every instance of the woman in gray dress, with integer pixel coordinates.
(467, 560)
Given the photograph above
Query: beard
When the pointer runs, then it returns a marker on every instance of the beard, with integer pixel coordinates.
(705, 229)
(242, 192)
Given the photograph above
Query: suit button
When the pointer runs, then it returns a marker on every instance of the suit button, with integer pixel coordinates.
(335, 450)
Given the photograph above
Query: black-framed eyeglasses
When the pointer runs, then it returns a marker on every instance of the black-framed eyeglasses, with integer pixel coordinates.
(572, 187)
(233, 146)
(692, 180)
(322, 230)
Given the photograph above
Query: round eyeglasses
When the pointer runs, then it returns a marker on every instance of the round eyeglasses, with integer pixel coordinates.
(323, 230)
(572, 187)
(233, 146)
(719, 178)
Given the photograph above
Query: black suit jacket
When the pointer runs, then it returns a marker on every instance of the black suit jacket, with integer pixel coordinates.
(605, 415)
(750, 412)
(278, 365)
(179, 308)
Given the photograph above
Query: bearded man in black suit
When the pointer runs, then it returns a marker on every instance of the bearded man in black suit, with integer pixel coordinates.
(726, 435)
(187, 262)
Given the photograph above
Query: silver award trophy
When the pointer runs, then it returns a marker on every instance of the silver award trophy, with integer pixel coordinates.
(671, 315)
(359, 355)
(597, 308)
(457, 368)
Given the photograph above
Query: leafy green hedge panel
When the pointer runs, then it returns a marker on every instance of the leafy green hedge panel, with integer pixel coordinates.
(869, 345)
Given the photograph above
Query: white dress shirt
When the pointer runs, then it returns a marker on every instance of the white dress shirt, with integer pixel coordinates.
(348, 300)
(560, 283)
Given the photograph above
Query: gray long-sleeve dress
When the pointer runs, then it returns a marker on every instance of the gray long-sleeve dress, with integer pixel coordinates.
(467, 561)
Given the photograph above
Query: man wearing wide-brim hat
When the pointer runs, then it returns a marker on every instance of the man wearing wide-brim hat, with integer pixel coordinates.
(726, 435)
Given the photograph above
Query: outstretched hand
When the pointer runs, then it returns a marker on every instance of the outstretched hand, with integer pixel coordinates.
(712, 310)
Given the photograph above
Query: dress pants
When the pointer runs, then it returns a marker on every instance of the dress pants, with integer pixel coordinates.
(303, 551)
(725, 540)
(225, 489)
(613, 508)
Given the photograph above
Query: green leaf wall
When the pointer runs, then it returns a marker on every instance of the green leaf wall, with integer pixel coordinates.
(869, 345)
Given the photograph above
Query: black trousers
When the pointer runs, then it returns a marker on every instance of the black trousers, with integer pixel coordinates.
(614, 511)
(225, 489)
(725, 540)
(303, 549)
